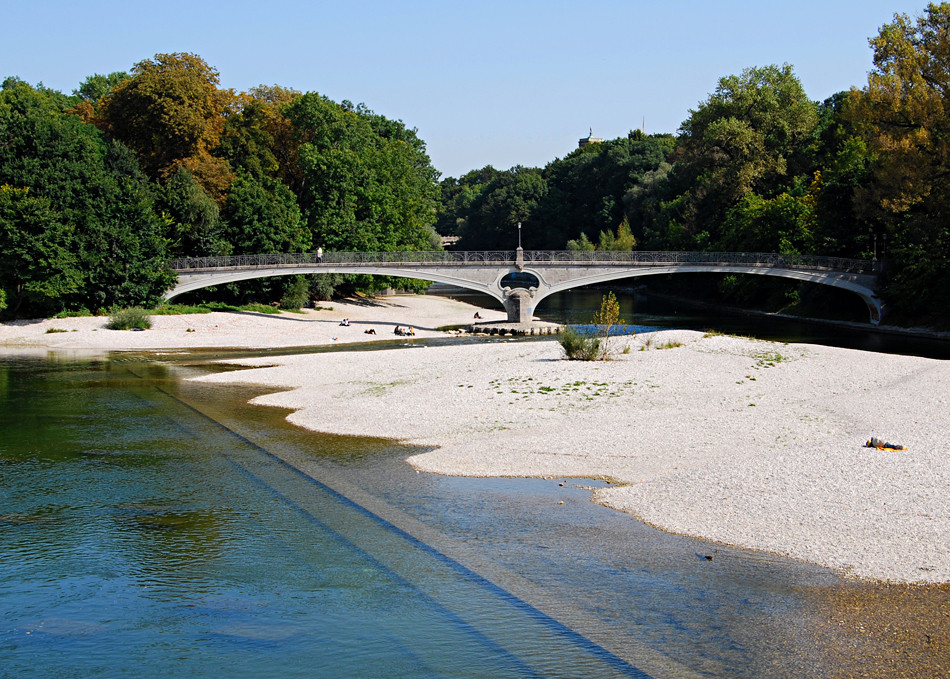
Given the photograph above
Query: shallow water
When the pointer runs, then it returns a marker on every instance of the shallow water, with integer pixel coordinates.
(141, 538)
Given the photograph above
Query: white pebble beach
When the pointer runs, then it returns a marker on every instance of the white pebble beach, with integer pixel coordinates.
(749, 443)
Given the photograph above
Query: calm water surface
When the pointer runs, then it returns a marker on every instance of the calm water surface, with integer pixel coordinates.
(151, 527)
(142, 538)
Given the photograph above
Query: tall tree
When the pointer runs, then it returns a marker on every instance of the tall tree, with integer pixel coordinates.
(259, 138)
(586, 188)
(753, 134)
(366, 184)
(193, 219)
(903, 113)
(457, 196)
(171, 113)
(37, 266)
(843, 170)
(261, 215)
(511, 197)
(94, 188)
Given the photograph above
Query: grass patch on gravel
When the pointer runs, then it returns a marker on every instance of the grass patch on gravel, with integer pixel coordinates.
(209, 307)
(527, 387)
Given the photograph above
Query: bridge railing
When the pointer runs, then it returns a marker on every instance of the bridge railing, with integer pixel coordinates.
(601, 257)
(647, 257)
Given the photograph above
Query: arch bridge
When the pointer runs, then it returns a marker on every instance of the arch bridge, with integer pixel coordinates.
(520, 279)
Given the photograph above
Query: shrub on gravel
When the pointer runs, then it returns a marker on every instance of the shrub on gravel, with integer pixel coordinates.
(135, 318)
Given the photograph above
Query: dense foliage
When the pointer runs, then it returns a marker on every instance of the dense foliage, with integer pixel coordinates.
(757, 166)
(100, 189)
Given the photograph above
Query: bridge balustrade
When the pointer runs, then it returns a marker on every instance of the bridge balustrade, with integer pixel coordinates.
(568, 257)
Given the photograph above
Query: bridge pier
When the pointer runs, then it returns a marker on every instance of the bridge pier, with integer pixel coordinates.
(519, 303)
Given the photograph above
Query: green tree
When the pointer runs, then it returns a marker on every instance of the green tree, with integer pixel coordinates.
(261, 215)
(785, 224)
(753, 134)
(457, 198)
(366, 183)
(96, 190)
(193, 219)
(509, 198)
(843, 170)
(37, 266)
(258, 137)
(586, 189)
(96, 87)
(621, 240)
(581, 244)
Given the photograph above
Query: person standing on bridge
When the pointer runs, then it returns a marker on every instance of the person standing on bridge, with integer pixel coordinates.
(319, 254)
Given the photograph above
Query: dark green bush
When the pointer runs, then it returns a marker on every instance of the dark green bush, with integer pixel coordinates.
(579, 346)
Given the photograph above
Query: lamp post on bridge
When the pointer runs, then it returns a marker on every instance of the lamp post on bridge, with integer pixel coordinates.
(519, 253)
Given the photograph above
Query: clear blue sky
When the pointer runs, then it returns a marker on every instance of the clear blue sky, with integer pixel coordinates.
(500, 83)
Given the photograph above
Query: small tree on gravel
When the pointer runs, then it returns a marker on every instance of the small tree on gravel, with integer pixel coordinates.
(595, 345)
(607, 323)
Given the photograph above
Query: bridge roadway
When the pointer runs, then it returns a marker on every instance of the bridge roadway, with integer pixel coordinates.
(520, 279)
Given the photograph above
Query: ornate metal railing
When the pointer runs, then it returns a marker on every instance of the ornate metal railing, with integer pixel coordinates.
(568, 257)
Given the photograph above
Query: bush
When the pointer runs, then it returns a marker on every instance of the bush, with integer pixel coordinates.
(579, 346)
(296, 294)
(128, 319)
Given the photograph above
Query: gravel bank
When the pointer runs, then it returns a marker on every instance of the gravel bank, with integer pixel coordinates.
(252, 330)
(749, 443)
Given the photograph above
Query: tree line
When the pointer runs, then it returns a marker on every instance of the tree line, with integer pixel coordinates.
(101, 188)
(757, 166)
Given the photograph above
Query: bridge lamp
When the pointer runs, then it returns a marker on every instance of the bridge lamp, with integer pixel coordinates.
(519, 235)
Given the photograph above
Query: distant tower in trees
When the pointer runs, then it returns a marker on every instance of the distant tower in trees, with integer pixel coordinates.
(590, 139)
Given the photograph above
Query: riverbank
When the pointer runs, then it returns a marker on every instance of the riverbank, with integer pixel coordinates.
(252, 330)
(745, 442)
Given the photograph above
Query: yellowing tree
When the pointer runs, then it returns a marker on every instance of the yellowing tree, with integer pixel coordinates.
(903, 116)
(904, 109)
(172, 113)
